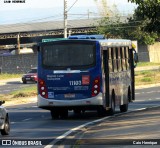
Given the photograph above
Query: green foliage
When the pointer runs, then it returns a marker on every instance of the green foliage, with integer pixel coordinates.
(148, 14)
(144, 26)
(146, 80)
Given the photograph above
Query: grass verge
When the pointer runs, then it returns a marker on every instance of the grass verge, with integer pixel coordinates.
(20, 95)
(143, 64)
(9, 76)
(147, 77)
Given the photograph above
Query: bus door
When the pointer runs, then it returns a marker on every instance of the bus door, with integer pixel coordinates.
(105, 69)
(133, 55)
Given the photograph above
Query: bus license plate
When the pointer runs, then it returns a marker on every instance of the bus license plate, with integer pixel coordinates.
(69, 95)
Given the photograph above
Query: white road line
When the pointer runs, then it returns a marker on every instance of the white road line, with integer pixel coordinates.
(139, 100)
(6, 90)
(83, 125)
(26, 119)
(13, 122)
(72, 130)
(137, 93)
(150, 92)
(34, 106)
(140, 109)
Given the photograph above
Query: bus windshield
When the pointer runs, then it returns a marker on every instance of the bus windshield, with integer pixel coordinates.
(68, 55)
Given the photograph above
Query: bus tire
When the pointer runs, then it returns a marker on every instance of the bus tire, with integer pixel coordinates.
(101, 111)
(124, 107)
(64, 113)
(129, 95)
(54, 113)
(111, 111)
(77, 111)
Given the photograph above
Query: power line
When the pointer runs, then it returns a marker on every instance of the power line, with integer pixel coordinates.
(72, 5)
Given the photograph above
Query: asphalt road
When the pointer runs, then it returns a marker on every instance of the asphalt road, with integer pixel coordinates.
(30, 122)
(138, 129)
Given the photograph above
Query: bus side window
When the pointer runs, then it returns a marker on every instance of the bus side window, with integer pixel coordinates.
(123, 59)
(119, 62)
(127, 58)
(110, 60)
(114, 59)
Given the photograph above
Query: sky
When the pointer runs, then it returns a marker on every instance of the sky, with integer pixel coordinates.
(45, 10)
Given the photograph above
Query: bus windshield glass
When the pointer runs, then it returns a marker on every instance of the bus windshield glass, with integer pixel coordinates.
(71, 55)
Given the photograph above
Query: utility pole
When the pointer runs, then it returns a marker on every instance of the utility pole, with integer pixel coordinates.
(18, 44)
(65, 18)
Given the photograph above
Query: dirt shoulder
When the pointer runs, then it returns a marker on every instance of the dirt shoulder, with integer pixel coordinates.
(6, 81)
(20, 101)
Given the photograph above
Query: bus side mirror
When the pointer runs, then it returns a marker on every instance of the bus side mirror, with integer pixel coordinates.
(135, 58)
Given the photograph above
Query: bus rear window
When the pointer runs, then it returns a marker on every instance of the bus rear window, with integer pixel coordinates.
(73, 56)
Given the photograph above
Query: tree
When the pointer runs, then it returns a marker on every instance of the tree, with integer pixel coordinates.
(144, 26)
(149, 10)
(148, 16)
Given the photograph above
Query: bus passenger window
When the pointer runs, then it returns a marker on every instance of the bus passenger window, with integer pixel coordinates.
(119, 65)
(114, 59)
(110, 60)
(123, 59)
(127, 59)
(129, 62)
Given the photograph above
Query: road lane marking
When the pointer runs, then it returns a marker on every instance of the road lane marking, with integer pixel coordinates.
(26, 119)
(150, 92)
(13, 122)
(6, 90)
(50, 145)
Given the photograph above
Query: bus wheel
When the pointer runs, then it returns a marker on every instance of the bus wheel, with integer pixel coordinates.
(111, 111)
(77, 111)
(55, 114)
(64, 113)
(124, 107)
(101, 111)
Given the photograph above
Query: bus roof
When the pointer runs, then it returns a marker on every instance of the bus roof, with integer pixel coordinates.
(103, 41)
(116, 43)
(100, 38)
(87, 37)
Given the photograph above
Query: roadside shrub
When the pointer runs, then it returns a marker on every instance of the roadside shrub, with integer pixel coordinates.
(20, 95)
(146, 80)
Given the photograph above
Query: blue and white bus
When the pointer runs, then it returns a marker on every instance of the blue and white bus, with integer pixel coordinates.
(85, 74)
